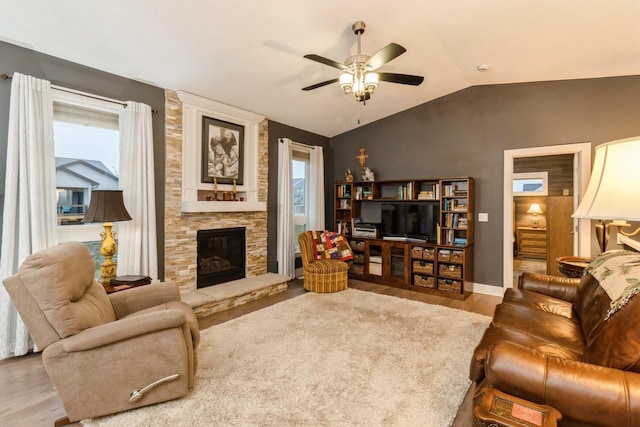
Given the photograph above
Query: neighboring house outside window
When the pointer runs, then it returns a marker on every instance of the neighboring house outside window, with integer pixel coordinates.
(87, 141)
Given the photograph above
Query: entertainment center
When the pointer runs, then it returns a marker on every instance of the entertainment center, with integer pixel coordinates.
(411, 234)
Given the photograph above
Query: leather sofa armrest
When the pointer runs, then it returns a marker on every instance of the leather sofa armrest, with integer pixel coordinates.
(564, 288)
(583, 392)
(142, 297)
(121, 330)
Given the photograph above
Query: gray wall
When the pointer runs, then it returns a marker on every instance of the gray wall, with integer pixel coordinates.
(70, 75)
(276, 131)
(466, 133)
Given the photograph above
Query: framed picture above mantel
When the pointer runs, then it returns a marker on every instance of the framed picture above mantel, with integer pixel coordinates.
(222, 152)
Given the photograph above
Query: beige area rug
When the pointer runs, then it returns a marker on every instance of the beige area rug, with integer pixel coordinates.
(351, 358)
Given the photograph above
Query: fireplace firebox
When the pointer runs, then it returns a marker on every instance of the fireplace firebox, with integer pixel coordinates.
(221, 256)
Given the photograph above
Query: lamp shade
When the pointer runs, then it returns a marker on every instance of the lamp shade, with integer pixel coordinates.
(535, 209)
(613, 192)
(106, 206)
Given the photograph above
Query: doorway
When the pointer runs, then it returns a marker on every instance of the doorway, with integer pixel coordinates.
(516, 217)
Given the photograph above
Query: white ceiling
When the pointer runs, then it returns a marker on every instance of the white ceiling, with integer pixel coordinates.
(249, 54)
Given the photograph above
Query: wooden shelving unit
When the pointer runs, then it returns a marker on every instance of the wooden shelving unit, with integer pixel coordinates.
(440, 268)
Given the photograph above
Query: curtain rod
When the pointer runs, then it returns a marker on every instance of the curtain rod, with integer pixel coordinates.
(5, 76)
(299, 144)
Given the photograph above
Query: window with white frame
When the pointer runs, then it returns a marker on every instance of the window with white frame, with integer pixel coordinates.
(530, 184)
(87, 150)
(300, 176)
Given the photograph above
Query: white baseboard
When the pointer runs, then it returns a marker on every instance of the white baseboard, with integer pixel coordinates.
(488, 290)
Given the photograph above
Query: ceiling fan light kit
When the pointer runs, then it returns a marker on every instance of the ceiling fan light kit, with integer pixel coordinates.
(358, 76)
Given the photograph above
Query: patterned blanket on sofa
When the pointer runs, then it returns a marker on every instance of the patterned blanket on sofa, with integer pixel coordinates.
(330, 245)
(619, 275)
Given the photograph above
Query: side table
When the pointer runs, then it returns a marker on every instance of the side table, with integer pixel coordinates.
(122, 283)
(572, 266)
(498, 409)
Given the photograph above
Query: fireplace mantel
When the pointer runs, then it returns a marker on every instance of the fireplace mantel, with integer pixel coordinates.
(194, 108)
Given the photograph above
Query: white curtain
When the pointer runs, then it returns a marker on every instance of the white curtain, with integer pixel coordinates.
(137, 240)
(316, 189)
(286, 231)
(29, 221)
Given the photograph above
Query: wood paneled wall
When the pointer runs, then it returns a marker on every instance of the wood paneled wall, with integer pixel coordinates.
(559, 168)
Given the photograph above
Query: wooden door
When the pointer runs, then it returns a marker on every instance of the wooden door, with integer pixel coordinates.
(559, 230)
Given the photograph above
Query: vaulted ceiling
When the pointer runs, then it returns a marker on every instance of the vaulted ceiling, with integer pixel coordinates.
(249, 54)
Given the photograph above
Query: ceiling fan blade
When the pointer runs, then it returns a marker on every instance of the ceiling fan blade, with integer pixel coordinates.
(404, 79)
(317, 85)
(326, 61)
(384, 55)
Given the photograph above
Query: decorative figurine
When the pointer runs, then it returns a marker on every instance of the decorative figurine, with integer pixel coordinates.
(367, 174)
(348, 176)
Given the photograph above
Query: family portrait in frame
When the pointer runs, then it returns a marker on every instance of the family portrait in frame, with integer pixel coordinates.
(222, 151)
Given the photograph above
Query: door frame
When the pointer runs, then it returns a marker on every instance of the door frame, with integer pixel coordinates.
(581, 174)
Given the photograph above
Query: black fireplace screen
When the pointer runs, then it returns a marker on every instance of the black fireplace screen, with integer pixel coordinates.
(221, 256)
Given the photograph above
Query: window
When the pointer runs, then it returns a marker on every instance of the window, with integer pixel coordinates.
(87, 150)
(300, 176)
(530, 184)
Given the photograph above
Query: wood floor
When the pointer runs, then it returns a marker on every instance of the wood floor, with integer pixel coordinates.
(27, 397)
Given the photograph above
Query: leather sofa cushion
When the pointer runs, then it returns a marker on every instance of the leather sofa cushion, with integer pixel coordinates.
(540, 302)
(545, 326)
(70, 298)
(591, 305)
(495, 334)
(616, 341)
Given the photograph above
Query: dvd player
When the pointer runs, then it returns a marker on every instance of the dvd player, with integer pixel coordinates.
(363, 229)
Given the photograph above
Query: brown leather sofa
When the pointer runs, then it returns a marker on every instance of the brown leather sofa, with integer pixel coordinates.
(549, 343)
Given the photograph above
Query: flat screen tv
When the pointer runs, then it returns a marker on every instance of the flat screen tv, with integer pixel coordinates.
(411, 220)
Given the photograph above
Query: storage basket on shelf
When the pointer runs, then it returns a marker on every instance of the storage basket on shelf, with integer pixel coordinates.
(424, 281)
(449, 285)
(449, 270)
(444, 255)
(424, 267)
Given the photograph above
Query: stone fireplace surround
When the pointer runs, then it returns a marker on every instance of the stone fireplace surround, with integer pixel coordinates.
(181, 227)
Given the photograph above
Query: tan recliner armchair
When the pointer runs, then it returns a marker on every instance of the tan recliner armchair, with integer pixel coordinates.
(104, 353)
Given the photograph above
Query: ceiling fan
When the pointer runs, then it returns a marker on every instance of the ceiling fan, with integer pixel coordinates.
(359, 77)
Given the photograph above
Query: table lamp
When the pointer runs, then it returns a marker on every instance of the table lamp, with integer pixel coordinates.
(613, 192)
(107, 206)
(535, 210)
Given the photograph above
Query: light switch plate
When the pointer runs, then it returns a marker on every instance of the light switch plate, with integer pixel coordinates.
(483, 217)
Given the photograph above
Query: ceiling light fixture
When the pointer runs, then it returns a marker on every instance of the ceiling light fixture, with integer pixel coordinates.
(358, 80)
(359, 77)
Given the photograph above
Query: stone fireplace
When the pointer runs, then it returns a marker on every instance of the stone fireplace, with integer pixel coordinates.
(184, 220)
(221, 256)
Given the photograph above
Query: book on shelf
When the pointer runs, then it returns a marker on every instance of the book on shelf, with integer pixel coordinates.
(459, 241)
(344, 190)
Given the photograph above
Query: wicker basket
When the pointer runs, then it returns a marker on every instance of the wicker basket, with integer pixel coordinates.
(423, 267)
(357, 270)
(429, 253)
(424, 281)
(448, 285)
(444, 255)
(356, 245)
(416, 252)
(449, 270)
(457, 256)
